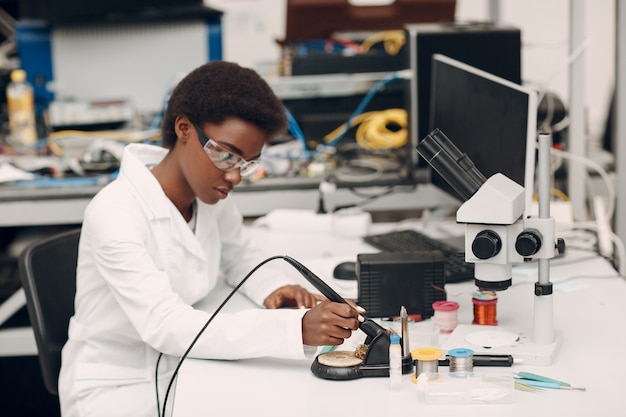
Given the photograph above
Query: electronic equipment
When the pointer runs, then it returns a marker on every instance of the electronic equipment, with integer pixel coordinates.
(492, 119)
(492, 48)
(375, 361)
(74, 48)
(388, 280)
(89, 115)
(499, 233)
(455, 269)
(345, 270)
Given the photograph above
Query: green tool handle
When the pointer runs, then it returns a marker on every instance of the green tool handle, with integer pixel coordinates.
(539, 378)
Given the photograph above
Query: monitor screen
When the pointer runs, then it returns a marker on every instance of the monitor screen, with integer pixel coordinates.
(492, 120)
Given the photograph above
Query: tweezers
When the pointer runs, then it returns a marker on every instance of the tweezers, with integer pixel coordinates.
(539, 381)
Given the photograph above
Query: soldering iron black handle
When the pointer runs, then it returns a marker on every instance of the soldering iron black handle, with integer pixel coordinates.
(369, 327)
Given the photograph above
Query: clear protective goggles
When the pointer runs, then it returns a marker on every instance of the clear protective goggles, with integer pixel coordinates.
(223, 158)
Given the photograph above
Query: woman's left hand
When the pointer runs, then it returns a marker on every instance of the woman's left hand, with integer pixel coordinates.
(292, 296)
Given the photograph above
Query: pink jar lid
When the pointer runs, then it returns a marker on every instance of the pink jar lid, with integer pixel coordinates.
(445, 305)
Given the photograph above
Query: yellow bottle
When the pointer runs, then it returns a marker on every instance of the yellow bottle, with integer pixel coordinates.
(21, 108)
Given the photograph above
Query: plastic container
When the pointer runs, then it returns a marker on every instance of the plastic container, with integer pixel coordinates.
(395, 363)
(446, 315)
(21, 109)
(490, 388)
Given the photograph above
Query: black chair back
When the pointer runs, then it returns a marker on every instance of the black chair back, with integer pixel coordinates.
(48, 273)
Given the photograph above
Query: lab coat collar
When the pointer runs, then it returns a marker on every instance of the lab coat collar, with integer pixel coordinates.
(137, 161)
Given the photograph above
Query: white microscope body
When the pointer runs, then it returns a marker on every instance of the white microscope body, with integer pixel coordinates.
(499, 234)
(493, 218)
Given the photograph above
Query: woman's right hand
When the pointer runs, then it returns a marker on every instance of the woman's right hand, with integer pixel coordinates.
(330, 323)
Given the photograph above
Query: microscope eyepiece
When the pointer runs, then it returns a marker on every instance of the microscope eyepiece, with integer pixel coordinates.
(453, 165)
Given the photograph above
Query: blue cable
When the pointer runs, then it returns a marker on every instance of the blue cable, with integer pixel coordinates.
(159, 117)
(364, 102)
(296, 131)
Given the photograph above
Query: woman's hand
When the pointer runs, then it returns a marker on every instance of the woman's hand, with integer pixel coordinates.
(329, 323)
(292, 296)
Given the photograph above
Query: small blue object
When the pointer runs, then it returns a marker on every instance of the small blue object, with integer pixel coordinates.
(540, 378)
(327, 349)
(41, 181)
(460, 353)
(538, 384)
(395, 339)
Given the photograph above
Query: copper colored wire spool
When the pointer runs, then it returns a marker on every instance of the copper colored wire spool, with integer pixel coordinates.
(485, 310)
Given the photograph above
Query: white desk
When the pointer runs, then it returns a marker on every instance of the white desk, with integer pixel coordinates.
(588, 314)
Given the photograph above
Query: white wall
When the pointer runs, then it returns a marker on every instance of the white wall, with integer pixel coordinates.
(546, 49)
(252, 26)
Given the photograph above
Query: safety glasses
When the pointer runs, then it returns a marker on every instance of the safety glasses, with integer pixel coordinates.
(223, 158)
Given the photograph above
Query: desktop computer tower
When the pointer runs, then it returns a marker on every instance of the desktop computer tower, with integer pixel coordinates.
(492, 48)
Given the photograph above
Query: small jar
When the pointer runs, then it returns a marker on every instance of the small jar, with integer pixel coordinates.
(446, 315)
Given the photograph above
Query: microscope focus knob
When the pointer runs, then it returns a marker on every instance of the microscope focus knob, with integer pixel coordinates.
(486, 244)
(560, 246)
(528, 243)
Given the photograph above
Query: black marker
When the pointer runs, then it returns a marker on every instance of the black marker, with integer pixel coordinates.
(485, 360)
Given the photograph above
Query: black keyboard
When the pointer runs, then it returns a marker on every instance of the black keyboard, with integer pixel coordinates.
(407, 241)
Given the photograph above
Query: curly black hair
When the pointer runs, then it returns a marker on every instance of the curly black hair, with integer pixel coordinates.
(219, 90)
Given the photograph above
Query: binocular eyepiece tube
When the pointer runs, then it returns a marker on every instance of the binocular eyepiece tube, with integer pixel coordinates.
(453, 165)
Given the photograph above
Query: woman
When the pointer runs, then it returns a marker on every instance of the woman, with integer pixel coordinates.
(157, 240)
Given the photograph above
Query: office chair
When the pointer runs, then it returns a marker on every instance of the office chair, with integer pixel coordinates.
(47, 270)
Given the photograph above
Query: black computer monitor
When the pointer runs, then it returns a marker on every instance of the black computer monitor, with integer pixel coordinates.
(492, 120)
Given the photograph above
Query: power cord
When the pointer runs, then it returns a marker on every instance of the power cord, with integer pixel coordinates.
(611, 194)
(156, 385)
(303, 270)
(374, 126)
(384, 129)
(368, 198)
(402, 74)
(393, 41)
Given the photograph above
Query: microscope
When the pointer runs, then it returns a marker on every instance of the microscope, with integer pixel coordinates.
(498, 234)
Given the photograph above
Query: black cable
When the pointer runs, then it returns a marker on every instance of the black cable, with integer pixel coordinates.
(193, 342)
(368, 198)
(156, 384)
(321, 209)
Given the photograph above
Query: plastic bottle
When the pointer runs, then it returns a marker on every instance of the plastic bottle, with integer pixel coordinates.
(395, 363)
(21, 108)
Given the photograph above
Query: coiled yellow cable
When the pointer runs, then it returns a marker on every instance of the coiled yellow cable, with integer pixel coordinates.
(393, 41)
(76, 135)
(374, 132)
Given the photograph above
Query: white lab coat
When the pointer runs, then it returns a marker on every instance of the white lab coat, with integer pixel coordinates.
(140, 270)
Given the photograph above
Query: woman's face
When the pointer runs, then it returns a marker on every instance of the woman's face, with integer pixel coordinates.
(229, 140)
